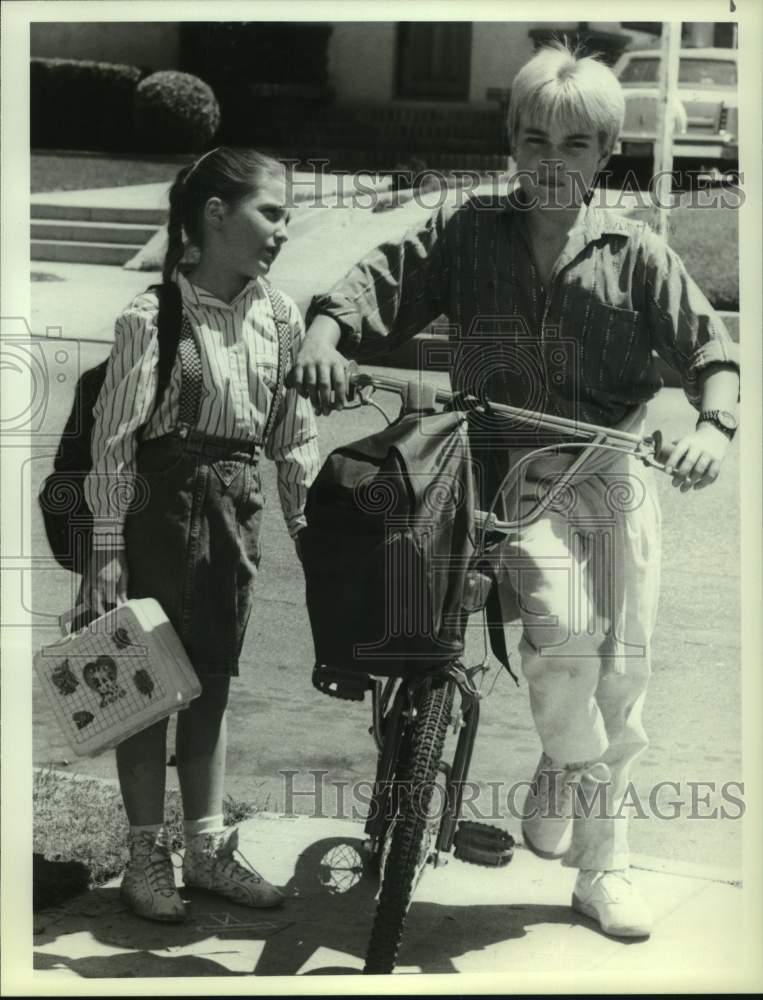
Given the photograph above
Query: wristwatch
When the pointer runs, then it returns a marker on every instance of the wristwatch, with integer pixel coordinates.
(722, 419)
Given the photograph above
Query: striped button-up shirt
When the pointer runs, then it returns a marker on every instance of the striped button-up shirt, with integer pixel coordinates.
(580, 348)
(238, 345)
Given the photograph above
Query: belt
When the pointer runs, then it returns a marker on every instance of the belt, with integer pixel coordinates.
(198, 442)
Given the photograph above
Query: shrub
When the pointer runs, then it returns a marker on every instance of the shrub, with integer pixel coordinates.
(77, 104)
(175, 113)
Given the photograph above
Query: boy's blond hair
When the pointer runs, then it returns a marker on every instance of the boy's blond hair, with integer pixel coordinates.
(557, 84)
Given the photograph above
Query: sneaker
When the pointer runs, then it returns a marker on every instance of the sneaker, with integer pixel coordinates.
(148, 887)
(550, 805)
(613, 902)
(209, 863)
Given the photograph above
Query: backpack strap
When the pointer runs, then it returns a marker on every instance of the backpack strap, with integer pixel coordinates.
(283, 327)
(176, 337)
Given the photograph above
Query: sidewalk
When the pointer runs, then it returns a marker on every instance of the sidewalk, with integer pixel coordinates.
(513, 921)
(81, 301)
(149, 197)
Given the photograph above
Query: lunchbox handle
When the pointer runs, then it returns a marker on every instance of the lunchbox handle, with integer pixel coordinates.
(65, 620)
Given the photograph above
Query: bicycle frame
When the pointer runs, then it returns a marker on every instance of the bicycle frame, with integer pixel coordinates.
(388, 732)
(391, 714)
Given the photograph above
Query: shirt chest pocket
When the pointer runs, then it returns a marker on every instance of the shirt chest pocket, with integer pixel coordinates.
(267, 372)
(262, 360)
(615, 346)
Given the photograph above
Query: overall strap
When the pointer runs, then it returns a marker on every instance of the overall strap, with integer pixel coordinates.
(191, 381)
(283, 327)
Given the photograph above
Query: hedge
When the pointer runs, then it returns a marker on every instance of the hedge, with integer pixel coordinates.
(78, 104)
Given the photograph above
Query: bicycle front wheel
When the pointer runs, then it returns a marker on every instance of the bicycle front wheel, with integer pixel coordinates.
(413, 828)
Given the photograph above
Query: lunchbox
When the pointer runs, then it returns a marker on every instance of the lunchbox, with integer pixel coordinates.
(116, 676)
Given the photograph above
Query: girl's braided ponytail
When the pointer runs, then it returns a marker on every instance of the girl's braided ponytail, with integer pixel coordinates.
(175, 244)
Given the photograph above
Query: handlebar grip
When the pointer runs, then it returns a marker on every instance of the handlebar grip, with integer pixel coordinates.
(353, 374)
(661, 449)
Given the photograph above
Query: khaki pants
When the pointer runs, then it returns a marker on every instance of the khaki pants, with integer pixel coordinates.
(584, 581)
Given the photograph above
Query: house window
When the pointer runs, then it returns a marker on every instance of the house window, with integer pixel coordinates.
(434, 60)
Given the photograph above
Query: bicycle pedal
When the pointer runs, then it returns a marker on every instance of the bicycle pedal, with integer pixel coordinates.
(340, 683)
(482, 844)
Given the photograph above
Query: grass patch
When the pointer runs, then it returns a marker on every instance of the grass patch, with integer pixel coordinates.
(50, 172)
(83, 820)
(707, 241)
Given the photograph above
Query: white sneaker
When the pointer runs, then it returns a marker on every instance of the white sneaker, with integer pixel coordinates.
(209, 863)
(613, 902)
(550, 804)
(148, 887)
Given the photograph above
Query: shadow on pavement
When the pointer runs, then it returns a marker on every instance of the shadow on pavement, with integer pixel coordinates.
(330, 905)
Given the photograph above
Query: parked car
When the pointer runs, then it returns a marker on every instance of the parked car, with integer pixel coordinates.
(706, 123)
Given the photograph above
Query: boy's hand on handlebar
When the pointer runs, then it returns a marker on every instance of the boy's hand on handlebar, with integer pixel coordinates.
(320, 369)
(695, 460)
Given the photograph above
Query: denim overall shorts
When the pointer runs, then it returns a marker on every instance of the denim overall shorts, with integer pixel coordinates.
(192, 537)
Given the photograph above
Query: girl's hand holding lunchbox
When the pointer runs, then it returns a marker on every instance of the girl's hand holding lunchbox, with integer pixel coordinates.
(106, 582)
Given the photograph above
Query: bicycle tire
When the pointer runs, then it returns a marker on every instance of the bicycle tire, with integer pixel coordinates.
(380, 805)
(384, 803)
(404, 862)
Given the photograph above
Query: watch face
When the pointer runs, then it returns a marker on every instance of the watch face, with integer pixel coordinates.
(727, 420)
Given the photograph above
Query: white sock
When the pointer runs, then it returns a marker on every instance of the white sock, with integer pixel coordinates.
(158, 832)
(205, 824)
(149, 828)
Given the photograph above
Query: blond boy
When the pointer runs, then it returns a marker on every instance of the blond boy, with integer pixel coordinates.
(593, 296)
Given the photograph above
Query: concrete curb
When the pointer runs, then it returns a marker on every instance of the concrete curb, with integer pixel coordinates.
(687, 869)
(643, 862)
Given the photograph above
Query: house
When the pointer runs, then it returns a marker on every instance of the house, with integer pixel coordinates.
(380, 92)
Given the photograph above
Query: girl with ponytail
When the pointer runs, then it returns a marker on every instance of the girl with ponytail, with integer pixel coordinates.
(190, 536)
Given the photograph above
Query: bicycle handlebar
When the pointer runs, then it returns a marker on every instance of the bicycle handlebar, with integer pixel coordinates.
(652, 450)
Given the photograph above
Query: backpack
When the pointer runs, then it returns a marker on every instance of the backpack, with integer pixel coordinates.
(65, 513)
(67, 518)
(386, 549)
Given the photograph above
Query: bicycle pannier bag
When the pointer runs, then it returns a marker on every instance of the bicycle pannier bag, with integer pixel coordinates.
(386, 548)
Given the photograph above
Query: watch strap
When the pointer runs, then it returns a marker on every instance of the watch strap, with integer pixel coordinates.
(727, 426)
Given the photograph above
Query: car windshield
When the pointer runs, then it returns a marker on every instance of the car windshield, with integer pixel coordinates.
(691, 72)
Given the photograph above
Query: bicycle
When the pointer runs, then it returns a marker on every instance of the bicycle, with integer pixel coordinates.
(411, 716)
